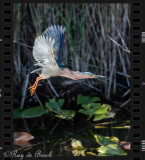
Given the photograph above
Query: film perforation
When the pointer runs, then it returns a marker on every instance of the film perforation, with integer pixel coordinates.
(136, 135)
(136, 12)
(8, 45)
(136, 127)
(136, 45)
(7, 20)
(136, 86)
(136, 4)
(7, 135)
(136, 69)
(136, 158)
(7, 54)
(7, 118)
(8, 61)
(7, 36)
(9, 110)
(136, 94)
(7, 143)
(136, 53)
(7, 127)
(136, 118)
(136, 102)
(7, 69)
(136, 20)
(136, 77)
(136, 151)
(136, 36)
(7, 4)
(136, 60)
(7, 94)
(7, 12)
(7, 28)
(7, 77)
(136, 143)
(7, 86)
(7, 102)
(136, 28)
(136, 110)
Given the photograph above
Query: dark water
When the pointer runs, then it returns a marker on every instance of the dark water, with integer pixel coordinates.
(59, 143)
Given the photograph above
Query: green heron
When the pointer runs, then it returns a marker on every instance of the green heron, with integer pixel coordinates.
(47, 53)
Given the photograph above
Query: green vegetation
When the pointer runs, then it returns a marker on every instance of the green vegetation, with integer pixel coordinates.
(90, 106)
(108, 146)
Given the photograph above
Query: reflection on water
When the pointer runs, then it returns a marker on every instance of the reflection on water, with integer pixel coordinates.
(60, 143)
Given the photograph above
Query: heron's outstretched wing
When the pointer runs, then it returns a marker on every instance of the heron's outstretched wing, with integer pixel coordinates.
(43, 52)
(57, 33)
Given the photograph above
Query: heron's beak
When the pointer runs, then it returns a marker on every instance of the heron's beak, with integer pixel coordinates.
(96, 76)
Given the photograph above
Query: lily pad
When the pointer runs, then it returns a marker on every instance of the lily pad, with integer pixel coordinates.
(76, 144)
(109, 146)
(55, 106)
(17, 113)
(111, 149)
(33, 112)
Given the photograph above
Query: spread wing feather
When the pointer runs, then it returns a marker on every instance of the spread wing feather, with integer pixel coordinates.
(56, 33)
(43, 51)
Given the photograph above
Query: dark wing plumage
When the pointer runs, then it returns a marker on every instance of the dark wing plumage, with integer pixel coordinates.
(56, 33)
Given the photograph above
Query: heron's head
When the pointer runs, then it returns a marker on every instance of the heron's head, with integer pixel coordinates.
(89, 75)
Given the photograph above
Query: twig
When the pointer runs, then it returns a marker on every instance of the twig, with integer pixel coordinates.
(89, 84)
(52, 130)
(51, 86)
(22, 44)
(122, 40)
(118, 44)
(24, 91)
(26, 125)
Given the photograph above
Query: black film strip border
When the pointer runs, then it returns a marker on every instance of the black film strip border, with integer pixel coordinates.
(7, 78)
(136, 79)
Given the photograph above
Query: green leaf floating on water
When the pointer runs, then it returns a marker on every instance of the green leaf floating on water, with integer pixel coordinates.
(76, 144)
(66, 114)
(56, 107)
(102, 140)
(17, 113)
(109, 146)
(111, 149)
(33, 112)
(77, 148)
(92, 107)
(86, 99)
(53, 104)
(29, 113)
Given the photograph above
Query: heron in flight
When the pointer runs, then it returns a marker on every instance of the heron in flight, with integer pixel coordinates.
(47, 54)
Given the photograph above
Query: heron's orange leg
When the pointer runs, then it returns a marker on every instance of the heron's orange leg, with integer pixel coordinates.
(33, 88)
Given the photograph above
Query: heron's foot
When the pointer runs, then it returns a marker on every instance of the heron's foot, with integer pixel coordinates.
(32, 89)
